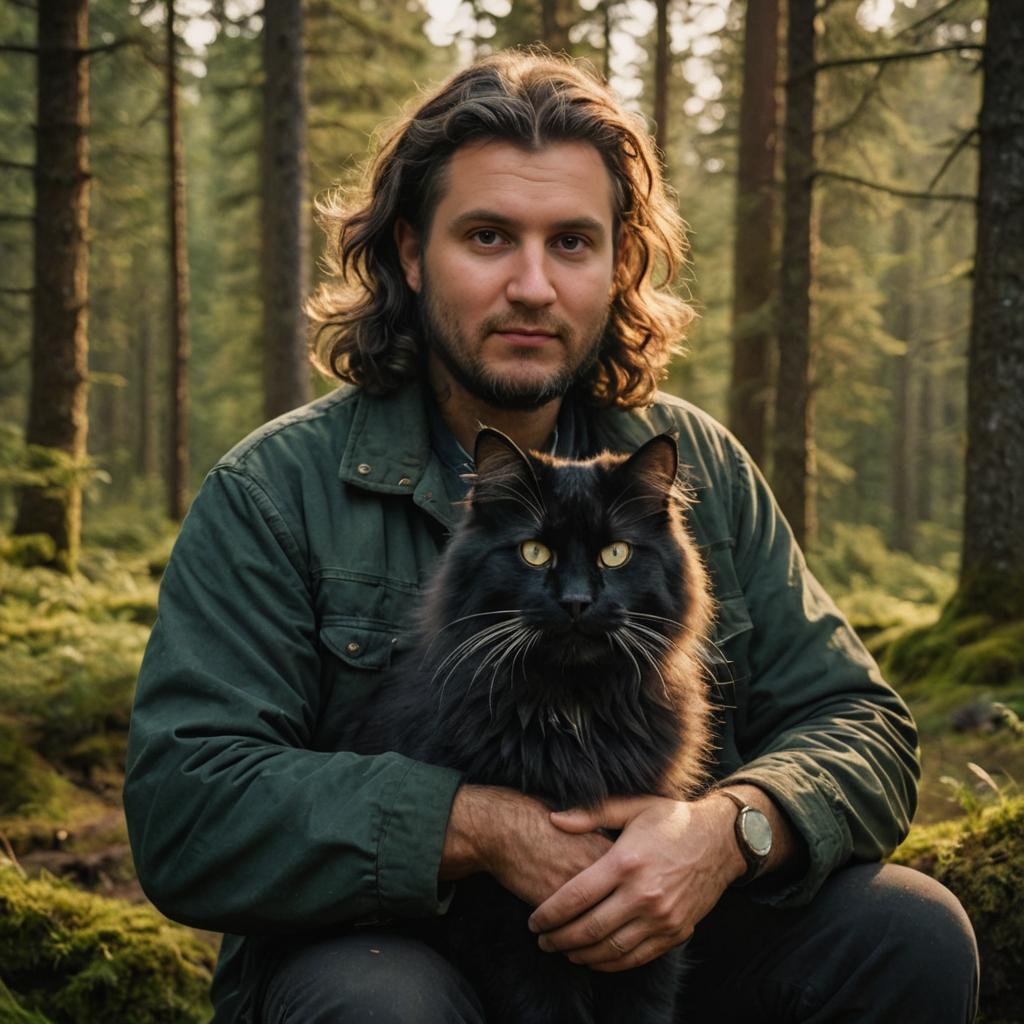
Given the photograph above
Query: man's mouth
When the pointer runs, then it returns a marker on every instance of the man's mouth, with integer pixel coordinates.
(527, 336)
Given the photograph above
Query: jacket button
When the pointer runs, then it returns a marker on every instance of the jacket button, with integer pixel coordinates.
(363, 469)
(352, 647)
(404, 482)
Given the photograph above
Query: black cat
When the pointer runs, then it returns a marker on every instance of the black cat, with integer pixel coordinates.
(559, 654)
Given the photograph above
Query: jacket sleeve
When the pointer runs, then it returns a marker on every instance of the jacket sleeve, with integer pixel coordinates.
(235, 823)
(819, 729)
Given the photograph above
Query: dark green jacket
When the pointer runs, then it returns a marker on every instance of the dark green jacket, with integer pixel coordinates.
(290, 586)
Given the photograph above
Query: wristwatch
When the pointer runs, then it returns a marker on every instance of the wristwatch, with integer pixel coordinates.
(753, 835)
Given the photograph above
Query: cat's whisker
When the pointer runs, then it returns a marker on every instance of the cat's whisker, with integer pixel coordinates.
(537, 511)
(705, 640)
(466, 618)
(483, 637)
(620, 640)
(641, 649)
(480, 636)
(509, 646)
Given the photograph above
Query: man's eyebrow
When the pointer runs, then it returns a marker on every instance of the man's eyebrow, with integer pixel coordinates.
(589, 224)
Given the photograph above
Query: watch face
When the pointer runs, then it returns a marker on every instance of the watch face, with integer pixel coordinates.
(756, 831)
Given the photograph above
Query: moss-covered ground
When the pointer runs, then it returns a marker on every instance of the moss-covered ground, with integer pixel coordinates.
(70, 648)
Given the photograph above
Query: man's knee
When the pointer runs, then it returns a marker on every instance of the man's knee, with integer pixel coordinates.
(915, 930)
(368, 976)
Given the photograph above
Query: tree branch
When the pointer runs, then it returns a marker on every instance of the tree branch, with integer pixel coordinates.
(18, 48)
(892, 190)
(883, 58)
(14, 165)
(18, 291)
(937, 13)
(952, 155)
(16, 217)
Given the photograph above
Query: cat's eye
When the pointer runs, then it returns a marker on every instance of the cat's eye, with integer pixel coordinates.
(615, 555)
(534, 553)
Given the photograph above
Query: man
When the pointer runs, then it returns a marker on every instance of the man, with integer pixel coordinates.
(511, 265)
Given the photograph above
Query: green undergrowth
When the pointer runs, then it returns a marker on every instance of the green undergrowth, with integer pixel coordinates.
(70, 649)
(877, 588)
(980, 858)
(70, 957)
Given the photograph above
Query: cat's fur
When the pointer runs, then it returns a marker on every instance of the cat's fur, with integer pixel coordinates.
(572, 682)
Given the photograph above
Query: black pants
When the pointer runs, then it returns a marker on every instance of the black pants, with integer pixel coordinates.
(879, 945)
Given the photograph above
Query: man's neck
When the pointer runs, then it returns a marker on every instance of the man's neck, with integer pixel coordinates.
(464, 414)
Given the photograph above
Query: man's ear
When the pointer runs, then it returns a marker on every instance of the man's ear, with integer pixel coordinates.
(407, 241)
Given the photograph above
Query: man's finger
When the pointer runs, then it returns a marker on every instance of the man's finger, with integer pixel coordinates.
(576, 897)
(614, 812)
(620, 943)
(648, 950)
(594, 927)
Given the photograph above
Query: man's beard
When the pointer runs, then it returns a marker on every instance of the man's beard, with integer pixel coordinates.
(441, 334)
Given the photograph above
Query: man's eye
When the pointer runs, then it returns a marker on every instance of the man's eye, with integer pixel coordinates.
(486, 236)
(572, 243)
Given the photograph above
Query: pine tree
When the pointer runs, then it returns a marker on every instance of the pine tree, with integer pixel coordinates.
(57, 402)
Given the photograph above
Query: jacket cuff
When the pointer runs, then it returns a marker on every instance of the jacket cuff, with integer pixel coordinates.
(412, 840)
(814, 807)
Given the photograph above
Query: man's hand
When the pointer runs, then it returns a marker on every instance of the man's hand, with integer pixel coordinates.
(666, 870)
(511, 837)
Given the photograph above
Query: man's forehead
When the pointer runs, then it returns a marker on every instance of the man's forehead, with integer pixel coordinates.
(567, 180)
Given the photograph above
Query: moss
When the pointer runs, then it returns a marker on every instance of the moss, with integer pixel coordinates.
(12, 1012)
(982, 862)
(27, 782)
(76, 957)
(29, 549)
(969, 649)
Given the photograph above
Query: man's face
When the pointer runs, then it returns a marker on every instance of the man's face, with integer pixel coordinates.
(515, 281)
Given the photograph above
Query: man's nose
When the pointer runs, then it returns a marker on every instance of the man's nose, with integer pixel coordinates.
(530, 284)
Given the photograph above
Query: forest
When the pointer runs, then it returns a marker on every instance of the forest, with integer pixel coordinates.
(852, 177)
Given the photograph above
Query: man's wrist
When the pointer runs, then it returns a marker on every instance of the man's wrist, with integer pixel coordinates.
(733, 864)
(787, 848)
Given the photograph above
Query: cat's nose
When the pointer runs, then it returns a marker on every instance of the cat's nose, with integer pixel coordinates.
(575, 607)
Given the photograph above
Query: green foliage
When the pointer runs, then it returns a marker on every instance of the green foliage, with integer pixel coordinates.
(12, 1012)
(981, 860)
(77, 958)
(878, 588)
(70, 649)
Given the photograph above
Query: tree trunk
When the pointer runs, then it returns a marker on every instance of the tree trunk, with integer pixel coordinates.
(750, 386)
(145, 457)
(793, 475)
(57, 409)
(661, 78)
(904, 438)
(992, 569)
(554, 26)
(286, 381)
(177, 467)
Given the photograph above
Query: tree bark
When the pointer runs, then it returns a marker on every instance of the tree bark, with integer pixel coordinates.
(661, 79)
(57, 409)
(286, 379)
(794, 458)
(992, 568)
(178, 463)
(750, 383)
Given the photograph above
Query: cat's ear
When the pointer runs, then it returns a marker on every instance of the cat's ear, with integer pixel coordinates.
(655, 463)
(504, 474)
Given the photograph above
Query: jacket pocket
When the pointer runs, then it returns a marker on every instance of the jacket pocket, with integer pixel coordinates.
(360, 643)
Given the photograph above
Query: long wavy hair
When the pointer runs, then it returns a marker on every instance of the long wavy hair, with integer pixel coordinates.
(364, 318)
